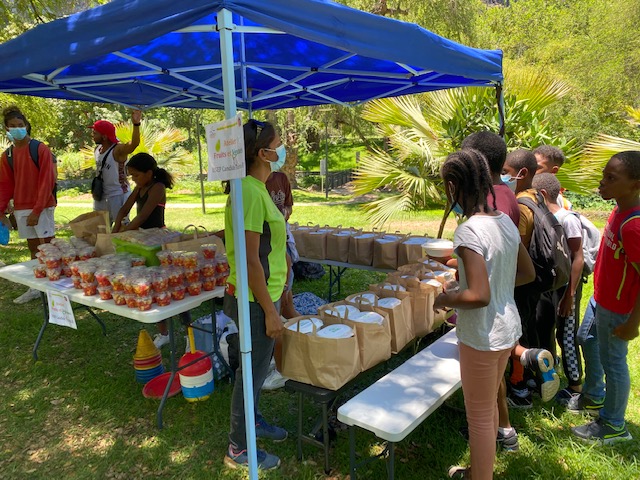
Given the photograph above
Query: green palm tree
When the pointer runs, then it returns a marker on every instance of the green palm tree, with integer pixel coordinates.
(603, 147)
(422, 130)
(159, 142)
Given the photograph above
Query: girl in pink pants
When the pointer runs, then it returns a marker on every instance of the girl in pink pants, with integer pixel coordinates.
(491, 260)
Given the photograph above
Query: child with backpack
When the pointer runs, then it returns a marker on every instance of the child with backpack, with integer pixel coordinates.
(537, 228)
(30, 182)
(557, 309)
(491, 261)
(617, 297)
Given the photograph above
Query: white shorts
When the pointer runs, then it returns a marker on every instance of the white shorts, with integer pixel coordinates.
(45, 228)
(112, 205)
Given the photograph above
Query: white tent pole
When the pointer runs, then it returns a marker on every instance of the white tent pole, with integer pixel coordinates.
(225, 25)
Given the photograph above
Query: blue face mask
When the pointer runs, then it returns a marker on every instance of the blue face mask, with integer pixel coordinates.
(281, 151)
(17, 133)
(509, 182)
(456, 208)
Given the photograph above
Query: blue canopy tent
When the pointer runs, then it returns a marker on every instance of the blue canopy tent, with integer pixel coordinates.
(247, 54)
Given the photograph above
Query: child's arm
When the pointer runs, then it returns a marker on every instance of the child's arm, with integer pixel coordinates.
(565, 306)
(124, 210)
(629, 330)
(478, 293)
(157, 196)
(525, 271)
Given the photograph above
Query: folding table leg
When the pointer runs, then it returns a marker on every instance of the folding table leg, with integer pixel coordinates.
(174, 368)
(352, 452)
(300, 405)
(45, 322)
(325, 436)
(391, 462)
(97, 318)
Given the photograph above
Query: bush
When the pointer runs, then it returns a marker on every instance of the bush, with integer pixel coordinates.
(310, 181)
(71, 166)
(588, 202)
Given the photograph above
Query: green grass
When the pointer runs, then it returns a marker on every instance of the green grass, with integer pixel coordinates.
(78, 413)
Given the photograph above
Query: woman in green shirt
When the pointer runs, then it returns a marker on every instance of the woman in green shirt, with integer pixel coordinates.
(265, 237)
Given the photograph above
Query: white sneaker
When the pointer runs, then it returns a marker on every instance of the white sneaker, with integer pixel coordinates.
(160, 340)
(28, 296)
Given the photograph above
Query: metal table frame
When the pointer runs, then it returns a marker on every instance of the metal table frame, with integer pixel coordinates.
(337, 270)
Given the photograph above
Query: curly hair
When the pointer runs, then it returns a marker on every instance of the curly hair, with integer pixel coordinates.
(14, 112)
(468, 171)
(549, 183)
(491, 145)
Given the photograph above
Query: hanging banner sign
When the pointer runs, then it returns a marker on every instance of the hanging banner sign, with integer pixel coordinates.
(60, 311)
(225, 142)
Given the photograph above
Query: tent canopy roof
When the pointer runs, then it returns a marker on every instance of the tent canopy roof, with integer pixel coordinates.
(154, 53)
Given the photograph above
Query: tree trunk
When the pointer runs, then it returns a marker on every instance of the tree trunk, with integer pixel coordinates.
(290, 134)
(447, 211)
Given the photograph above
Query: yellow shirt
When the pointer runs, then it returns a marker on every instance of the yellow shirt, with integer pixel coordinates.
(525, 226)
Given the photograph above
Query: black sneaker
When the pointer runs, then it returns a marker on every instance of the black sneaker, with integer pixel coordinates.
(240, 459)
(600, 431)
(542, 361)
(519, 401)
(508, 442)
(564, 396)
(582, 404)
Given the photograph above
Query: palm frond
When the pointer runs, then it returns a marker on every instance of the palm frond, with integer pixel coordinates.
(538, 91)
(381, 211)
(634, 113)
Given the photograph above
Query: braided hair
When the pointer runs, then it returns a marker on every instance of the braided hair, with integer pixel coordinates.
(468, 171)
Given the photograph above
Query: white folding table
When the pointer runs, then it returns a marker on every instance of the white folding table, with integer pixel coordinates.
(23, 273)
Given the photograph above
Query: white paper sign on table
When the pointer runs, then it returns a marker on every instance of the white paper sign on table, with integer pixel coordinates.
(60, 311)
(225, 143)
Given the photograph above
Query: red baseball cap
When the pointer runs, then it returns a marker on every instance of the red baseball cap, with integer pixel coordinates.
(107, 129)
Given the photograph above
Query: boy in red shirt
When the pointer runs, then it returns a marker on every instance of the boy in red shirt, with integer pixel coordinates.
(617, 296)
(30, 187)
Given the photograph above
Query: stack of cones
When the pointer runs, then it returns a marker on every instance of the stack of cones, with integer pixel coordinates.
(147, 361)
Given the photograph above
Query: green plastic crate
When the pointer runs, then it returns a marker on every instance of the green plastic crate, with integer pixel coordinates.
(149, 253)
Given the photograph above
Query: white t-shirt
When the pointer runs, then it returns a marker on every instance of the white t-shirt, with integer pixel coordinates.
(570, 223)
(114, 174)
(496, 326)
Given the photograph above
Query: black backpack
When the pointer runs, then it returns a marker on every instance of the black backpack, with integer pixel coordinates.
(33, 153)
(548, 249)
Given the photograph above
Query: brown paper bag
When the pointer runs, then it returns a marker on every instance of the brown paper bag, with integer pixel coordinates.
(300, 231)
(385, 251)
(410, 249)
(322, 362)
(424, 295)
(361, 248)
(400, 317)
(191, 242)
(104, 245)
(316, 242)
(338, 244)
(374, 341)
(88, 225)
